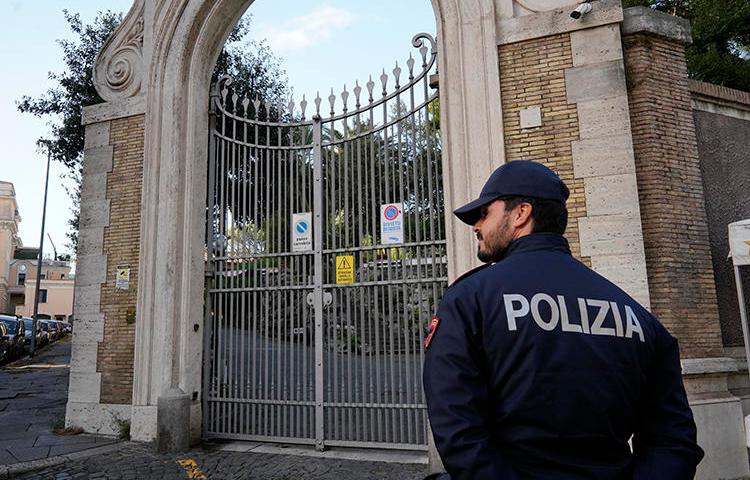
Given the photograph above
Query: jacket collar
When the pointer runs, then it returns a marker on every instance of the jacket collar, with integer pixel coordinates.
(536, 242)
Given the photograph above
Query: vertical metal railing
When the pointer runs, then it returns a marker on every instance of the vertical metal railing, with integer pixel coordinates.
(293, 354)
(318, 269)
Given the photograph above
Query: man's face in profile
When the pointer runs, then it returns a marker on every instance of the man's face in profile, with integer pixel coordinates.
(494, 232)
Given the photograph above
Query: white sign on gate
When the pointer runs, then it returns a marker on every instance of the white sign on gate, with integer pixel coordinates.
(302, 232)
(739, 242)
(391, 223)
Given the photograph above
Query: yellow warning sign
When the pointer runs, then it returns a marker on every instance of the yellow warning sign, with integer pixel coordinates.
(344, 269)
(122, 277)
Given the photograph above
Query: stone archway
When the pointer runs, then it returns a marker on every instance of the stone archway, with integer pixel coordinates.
(154, 74)
(159, 63)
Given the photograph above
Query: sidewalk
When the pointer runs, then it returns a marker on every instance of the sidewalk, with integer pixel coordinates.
(33, 394)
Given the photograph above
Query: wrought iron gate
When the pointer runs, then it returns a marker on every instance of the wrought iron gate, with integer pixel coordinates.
(325, 260)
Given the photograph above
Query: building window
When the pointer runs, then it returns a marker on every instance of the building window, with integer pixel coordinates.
(21, 279)
(42, 296)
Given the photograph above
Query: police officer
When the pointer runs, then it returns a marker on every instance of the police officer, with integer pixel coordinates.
(537, 367)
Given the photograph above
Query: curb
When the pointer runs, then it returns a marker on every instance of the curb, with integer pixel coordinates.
(15, 469)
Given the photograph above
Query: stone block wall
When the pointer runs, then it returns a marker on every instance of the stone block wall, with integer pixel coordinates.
(101, 365)
(121, 242)
(670, 188)
(576, 81)
(533, 75)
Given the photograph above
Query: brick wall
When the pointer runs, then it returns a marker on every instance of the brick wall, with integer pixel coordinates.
(673, 213)
(121, 240)
(532, 73)
(722, 125)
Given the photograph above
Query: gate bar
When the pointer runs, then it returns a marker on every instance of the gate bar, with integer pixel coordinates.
(208, 277)
(318, 290)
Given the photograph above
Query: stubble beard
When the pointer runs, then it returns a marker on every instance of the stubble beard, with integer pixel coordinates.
(495, 244)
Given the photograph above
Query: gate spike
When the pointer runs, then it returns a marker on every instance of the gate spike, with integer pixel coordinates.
(332, 101)
(303, 106)
(267, 104)
(357, 91)
(345, 97)
(370, 87)
(410, 64)
(224, 92)
(280, 107)
(384, 81)
(235, 97)
(423, 51)
(317, 104)
(256, 104)
(290, 105)
(397, 75)
(245, 104)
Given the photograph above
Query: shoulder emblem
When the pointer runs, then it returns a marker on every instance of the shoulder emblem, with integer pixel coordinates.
(431, 332)
(471, 272)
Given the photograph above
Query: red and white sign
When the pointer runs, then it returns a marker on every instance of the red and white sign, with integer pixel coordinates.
(391, 223)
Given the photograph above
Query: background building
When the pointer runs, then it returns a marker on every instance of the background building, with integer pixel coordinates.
(18, 268)
(56, 288)
(9, 241)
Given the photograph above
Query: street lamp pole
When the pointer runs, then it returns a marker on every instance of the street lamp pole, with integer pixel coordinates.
(39, 260)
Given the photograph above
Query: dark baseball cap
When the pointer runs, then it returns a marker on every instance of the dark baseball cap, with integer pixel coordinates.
(518, 178)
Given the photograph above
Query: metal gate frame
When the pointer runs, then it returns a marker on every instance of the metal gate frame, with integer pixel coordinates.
(227, 406)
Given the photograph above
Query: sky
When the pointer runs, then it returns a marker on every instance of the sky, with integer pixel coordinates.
(322, 44)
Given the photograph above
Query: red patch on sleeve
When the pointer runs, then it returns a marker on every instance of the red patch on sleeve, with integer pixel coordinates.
(431, 331)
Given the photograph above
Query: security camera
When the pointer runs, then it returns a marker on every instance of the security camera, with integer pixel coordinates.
(581, 10)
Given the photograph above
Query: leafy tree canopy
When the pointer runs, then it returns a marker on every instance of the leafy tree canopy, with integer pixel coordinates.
(74, 87)
(720, 52)
(256, 69)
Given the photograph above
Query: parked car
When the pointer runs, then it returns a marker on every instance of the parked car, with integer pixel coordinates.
(15, 333)
(48, 332)
(5, 344)
(27, 323)
(59, 330)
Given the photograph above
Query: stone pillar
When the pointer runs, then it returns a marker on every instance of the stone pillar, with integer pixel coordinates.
(675, 227)
(565, 103)
(101, 365)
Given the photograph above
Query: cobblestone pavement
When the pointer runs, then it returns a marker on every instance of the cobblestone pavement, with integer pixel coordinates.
(33, 393)
(138, 461)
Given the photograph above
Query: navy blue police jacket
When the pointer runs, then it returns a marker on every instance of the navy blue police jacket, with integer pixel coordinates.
(538, 367)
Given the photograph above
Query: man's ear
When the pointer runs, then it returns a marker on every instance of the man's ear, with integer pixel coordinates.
(522, 215)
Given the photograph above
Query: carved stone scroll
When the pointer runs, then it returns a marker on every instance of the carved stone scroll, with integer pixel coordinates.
(118, 70)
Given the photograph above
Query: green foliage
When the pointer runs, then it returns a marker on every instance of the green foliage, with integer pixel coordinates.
(720, 52)
(74, 89)
(256, 70)
(254, 66)
(122, 426)
(57, 426)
